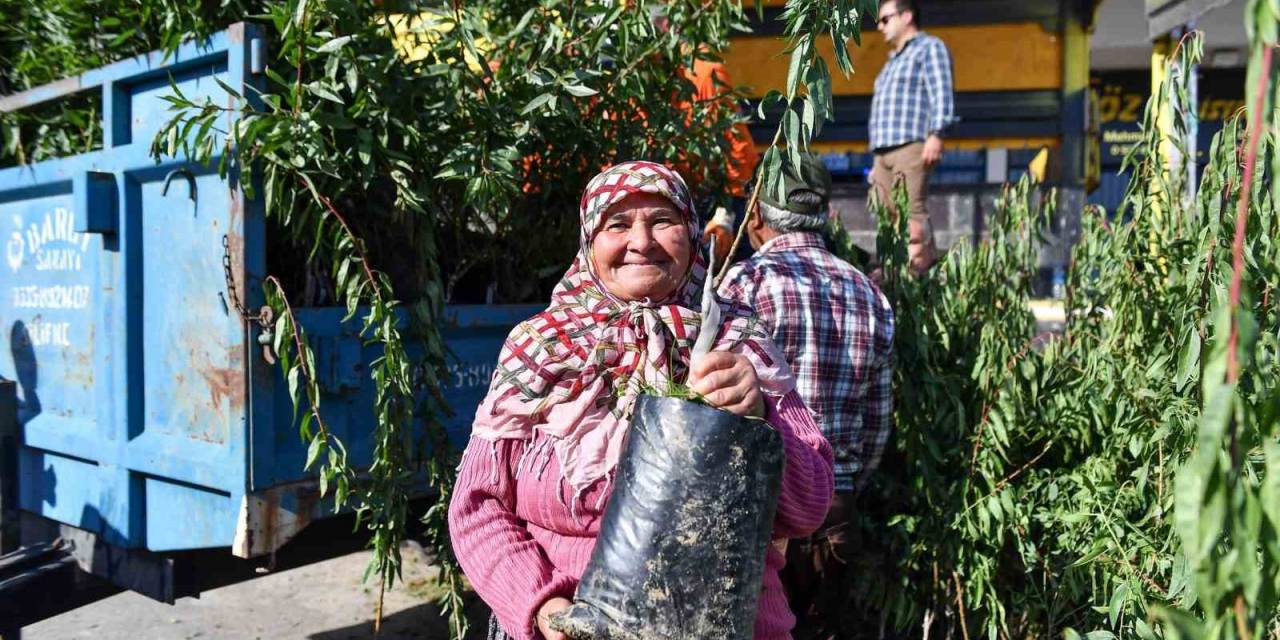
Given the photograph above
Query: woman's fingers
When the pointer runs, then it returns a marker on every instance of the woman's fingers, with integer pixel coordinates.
(712, 361)
(727, 396)
(543, 618)
(744, 401)
(710, 372)
(727, 381)
(720, 374)
(709, 383)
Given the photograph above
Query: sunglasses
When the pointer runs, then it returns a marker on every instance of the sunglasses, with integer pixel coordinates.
(884, 19)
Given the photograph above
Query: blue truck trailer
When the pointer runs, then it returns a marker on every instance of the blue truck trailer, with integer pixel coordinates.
(145, 437)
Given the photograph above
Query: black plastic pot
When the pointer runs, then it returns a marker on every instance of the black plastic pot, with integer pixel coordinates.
(682, 544)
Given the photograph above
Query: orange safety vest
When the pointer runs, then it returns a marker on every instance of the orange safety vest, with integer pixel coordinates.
(711, 82)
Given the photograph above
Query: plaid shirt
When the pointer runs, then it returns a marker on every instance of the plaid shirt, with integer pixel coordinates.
(913, 95)
(836, 329)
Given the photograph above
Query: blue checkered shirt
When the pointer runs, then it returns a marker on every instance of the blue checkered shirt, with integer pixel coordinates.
(913, 95)
(836, 330)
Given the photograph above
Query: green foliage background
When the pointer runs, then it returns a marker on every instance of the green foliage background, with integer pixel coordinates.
(42, 42)
(1111, 481)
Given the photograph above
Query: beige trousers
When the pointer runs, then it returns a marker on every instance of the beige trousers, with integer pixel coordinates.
(904, 163)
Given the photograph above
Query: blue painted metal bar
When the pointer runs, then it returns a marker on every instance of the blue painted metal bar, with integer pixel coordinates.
(133, 69)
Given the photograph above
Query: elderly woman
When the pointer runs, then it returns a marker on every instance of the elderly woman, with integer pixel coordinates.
(546, 441)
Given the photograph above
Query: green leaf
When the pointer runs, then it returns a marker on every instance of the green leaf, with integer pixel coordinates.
(1188, 360)
(1116, 606)
(796, 139)
(580, 91)
(771, 97)
(323, 91)
(1179, 624)
(226, 87)
(364, 146)
(304, 426)
(773, 174)
(1098, 549)
(294, 377)
(1143, 630)
(300, 14)
(334, 44)
(841, 49)
(538, 102)
(353, 78)
(795, 69)
(1269, 492)
(810, 118)
(314, 450)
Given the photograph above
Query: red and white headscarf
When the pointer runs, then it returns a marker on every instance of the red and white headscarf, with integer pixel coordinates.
(568, 377)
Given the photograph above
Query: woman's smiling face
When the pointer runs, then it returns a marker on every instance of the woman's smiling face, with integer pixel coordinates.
(642, 248)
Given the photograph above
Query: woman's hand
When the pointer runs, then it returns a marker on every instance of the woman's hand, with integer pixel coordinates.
(552, 605)
(728, 381)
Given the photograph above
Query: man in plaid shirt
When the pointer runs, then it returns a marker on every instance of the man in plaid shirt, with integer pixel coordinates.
(836, 330)
(911, 109)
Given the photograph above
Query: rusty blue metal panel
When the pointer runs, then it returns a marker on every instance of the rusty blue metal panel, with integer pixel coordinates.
(131, 369)
(148, 414)
(473, 335)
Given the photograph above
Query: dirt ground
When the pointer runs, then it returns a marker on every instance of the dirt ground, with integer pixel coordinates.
(321, 601)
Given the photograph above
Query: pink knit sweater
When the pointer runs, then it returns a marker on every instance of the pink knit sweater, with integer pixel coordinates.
(520, 544)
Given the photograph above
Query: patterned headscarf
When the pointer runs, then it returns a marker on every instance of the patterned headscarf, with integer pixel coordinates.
(568, 377)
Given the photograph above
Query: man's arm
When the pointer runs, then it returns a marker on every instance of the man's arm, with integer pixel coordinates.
(938, 85)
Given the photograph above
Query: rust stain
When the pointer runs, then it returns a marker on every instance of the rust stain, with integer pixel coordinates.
(276, 531)
(224, 384)
(235, 246)
(235, 243)
(235, 217)
(272, 507)
(250, 534)
(213, 387)
(77, 370)
(84, 360)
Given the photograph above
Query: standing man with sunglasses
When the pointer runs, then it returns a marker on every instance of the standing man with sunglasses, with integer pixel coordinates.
(911, 109)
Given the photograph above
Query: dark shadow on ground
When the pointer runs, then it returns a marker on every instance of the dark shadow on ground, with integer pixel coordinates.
(423, 622)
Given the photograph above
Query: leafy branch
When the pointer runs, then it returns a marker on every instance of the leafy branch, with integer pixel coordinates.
(803, 114)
